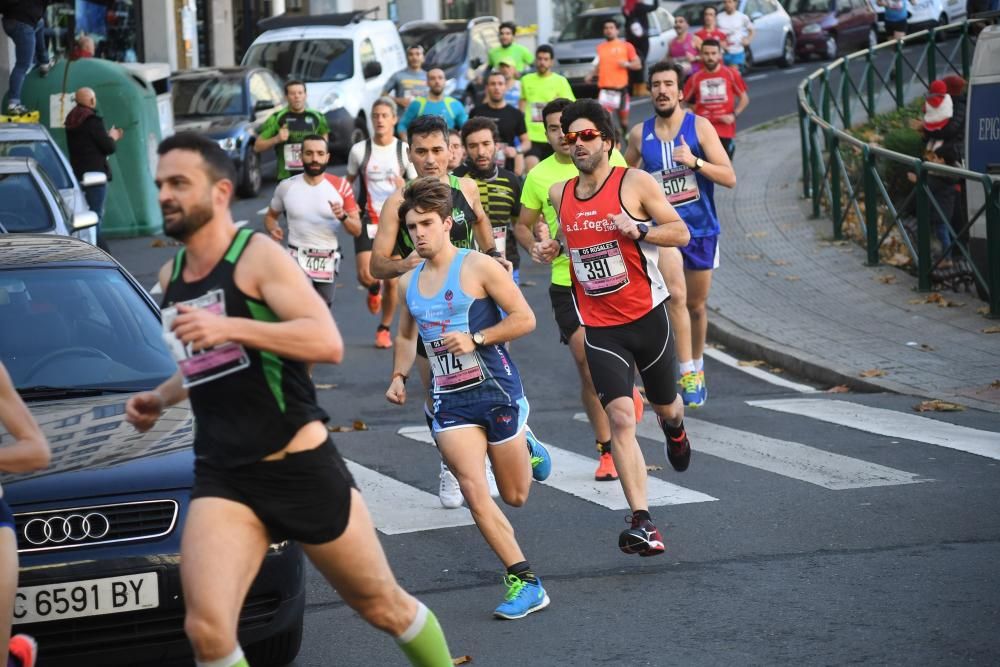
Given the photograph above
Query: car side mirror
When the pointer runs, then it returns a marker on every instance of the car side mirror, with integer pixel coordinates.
(756, 15)
(85, 220)
(475, 63)
(93, 178)
(263, 105)
(371, 70)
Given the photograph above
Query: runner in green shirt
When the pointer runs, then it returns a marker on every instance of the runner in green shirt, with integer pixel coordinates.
(508, 49)
(284, 131)
(538, 89)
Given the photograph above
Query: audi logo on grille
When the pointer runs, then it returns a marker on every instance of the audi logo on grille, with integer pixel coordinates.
(69, 528)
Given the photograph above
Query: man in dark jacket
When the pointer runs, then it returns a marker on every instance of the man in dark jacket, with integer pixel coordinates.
(23, 23)
(89, 147)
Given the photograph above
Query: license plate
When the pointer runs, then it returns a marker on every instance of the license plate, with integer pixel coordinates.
(93, 597)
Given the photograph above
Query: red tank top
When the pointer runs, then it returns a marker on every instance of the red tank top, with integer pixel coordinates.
(615, 279)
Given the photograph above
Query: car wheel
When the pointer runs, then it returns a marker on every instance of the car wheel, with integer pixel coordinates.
(830, 48)
(941, 22)
(360, 131)
(872, 37)
(787, 52)
(250, 179)
(278, 650)
(747, 59)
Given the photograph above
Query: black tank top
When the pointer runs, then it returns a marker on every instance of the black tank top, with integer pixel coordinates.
(247, 415)
(462, 220)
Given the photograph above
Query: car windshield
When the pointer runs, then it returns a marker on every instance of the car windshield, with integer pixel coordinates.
(305, 60)
(45, 153)
(208, 97)
(587, 26)
(427, 35)
(447, 51)
(79, 328)
(808, 6)
(22, 206)
(691, 11)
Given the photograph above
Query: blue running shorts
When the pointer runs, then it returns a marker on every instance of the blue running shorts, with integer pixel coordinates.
(501, 421)
(702, 253)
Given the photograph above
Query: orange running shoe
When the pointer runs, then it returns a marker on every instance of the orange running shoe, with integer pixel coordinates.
(606, 471)
(374, 302)
(24, 649)
(383, 339)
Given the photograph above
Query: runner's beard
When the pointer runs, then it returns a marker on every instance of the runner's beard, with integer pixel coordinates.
(190, 221)
(314, 168)
(665, 113)
(588, 164)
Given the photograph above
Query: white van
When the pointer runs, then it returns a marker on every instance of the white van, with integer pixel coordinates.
(344, 60)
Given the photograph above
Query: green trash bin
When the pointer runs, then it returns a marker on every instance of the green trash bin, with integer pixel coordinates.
(125, 99)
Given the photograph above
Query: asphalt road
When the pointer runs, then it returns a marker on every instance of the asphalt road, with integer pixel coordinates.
(793, 538)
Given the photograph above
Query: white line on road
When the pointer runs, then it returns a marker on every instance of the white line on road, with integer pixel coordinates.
(890, 423)
(262, 211)
(793, 70)
(728, 360)
(754, 77)
(400, 508)
(156, 289)
(573, 473)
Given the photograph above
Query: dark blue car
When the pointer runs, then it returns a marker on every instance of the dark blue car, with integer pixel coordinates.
(228, 104)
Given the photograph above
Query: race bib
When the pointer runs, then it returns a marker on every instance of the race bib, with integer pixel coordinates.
(500, 158)
(610, 99)
(204, 365)
(600, 269)
(293, 156)
(371, 229)
(452, 372)
(536, 112)
(680, 185)
(500, 239)
(713, 91)
(320, 265)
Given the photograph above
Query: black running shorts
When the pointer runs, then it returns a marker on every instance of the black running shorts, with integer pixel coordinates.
(565, 311)
(305, 496)
(613, 354)
(361, 242)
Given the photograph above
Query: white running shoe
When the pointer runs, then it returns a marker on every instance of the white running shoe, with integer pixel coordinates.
(449, 492)
(491, 480)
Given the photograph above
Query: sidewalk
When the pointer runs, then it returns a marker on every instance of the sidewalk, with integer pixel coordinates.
(786, 294)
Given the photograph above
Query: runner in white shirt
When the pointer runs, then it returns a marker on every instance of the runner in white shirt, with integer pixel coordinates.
(382, 164)
(739, 31)
(315, 205)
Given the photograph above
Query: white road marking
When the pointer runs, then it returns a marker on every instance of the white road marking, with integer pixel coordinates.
(754, 77)
(793, 70)
(573, 473)
(890, 423)
(262, 211)
(156, 289)
(728, 360)
(400, 508)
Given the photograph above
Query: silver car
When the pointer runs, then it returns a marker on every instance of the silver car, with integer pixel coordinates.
(31, 204)
(34, 141)
(774, 37)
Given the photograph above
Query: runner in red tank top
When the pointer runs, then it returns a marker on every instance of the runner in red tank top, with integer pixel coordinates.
(612, 220)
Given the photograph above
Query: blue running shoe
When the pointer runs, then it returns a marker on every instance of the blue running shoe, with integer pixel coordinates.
(523, 598)
(692, 390)
(541, 462)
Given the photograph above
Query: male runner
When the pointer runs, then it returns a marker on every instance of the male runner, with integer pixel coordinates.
(26, 450)
(265, 467)
(510, 124)
(407, 84)
(315, 204)
(683, 152)
(718, 93)
(519, 55)
(739, 31)
(538, 89)
(612, 219)
(435, 103)
(284, 130)
(615, 58)
(381, 164)
(452, 297)
(537, 211)
(457, 158)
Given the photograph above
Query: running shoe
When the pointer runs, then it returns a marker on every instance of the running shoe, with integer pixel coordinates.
(522, 598)
(491, 480)
(704, 386)
(24, 649)
(374, 302)
(541, 462)
(449, 492)
(678, 449)
(383, 339)
(606, 471)
(16, 109)
(642, 538)
(692, 390)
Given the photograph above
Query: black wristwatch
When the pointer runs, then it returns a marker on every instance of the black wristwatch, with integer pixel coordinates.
(493, 252)
(698, 164)
(643, 230)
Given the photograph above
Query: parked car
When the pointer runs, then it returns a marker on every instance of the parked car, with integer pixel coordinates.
(774, 38)
(228, 104)
(30, 202)
(827, 28)
(34, 141)
(344, 59)
(461, 48)
(576, 45)
(98, 532)
(924, 14)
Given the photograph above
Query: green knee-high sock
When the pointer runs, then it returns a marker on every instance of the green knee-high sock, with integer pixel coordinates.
(423, 642)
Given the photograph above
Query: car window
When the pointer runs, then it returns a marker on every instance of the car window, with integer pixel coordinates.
(277, 92)
(79, 327)
(692, 12)
(478, 47)
(22, 206)
(306, 59)
(45, 153)
(367, 52)
(666, 20)
(447, 52)
(260, 89)
(588, 26)
(208, 97)
(64, 212)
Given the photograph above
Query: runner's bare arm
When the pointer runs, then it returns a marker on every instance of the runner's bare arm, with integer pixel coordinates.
(742, 103)
(524, 229)
(271, 224)
(500, 286)
(383, 266)
(644, 197)
(352, 223)
(718, 167)
(633, 153)
(30, 449)
(405, 351)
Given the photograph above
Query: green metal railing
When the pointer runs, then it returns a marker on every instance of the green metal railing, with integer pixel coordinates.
(849, 175)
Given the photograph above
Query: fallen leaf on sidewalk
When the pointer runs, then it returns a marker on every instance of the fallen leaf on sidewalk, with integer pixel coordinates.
(462, 660)
(898, 259)
(938, 299)
(991, 330)
(841, 243)
(938, 406)
(357, 425)
(752, 258)
(753, 364)
(322, 386)
(886, 278)
(780, 262)
(163, 243)
(985, 310)
(872, 373)
(995, 384)
(652, 467)
(771, 274)
(756, 235)
(777, 371)
(839, 389)
(360, 425)
(792, 278)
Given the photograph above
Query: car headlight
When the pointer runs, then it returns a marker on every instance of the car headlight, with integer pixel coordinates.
(449, 86)
(229, 144)
(812, 29)
(331, 101)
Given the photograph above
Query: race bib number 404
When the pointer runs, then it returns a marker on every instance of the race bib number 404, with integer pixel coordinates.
(320, 265)
(452, 372)
(293, 156)
(204, 365)
(610, 99)
(600, 269)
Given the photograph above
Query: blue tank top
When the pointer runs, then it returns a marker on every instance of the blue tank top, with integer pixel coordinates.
(488, 372)
(688, 191)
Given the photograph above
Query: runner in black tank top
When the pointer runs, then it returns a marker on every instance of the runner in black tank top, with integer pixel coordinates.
(266, 470)
(463, 217)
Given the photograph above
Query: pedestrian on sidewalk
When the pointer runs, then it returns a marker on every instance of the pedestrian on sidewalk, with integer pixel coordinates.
(89, 146)
(718, 93)
(24, 23)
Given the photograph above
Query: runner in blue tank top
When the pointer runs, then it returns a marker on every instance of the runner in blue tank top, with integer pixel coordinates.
(452, 298)
(683, 151)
